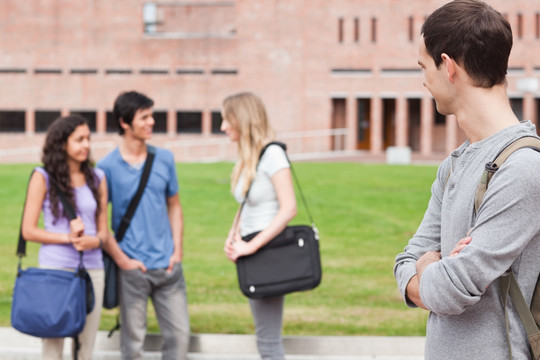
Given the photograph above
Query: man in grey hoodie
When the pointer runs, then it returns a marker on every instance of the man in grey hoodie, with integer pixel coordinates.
(464, 52)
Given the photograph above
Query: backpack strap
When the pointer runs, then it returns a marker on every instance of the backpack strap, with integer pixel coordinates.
(508, 286)
(492, 167)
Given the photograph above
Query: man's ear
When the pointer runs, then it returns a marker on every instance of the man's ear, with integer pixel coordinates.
(123, 125)
(450, 67)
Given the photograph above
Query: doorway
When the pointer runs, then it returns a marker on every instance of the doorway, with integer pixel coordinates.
(363, 124)
(389, 122)
(337, 142)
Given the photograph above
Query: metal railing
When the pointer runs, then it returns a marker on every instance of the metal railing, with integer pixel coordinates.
(300, 144)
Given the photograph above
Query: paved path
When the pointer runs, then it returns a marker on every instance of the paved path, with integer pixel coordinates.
(17, 346)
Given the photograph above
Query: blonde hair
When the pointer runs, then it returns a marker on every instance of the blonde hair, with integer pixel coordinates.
(246, 114)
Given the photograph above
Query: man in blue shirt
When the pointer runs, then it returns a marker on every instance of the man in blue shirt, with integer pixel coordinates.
(154, 236)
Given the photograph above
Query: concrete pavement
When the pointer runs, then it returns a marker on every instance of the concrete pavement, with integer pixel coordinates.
(17, 346)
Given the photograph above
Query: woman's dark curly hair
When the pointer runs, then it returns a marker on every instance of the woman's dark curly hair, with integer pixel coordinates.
(54, 160)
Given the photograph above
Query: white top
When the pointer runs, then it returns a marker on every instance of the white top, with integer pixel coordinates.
(262, 204)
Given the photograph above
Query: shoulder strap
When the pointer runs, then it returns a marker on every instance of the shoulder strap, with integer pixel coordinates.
(492, 167)
(130, 211)
(263, 150)
(284, 147)
(21, 245)
(508, 286)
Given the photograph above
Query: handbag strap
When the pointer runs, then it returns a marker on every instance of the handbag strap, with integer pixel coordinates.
(284, 147)
(130, 211)
(68, 208)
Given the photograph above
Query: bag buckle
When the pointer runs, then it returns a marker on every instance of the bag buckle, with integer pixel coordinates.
(316, 231)
(492, 167)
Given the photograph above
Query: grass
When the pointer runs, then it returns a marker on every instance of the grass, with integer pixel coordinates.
(365, 215)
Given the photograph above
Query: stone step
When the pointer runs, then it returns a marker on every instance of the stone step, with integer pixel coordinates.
(14, 345)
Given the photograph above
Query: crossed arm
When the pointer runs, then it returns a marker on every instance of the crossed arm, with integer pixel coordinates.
(430, 257)
(449, 284)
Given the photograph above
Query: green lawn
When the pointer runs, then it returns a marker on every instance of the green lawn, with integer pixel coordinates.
(365, 215)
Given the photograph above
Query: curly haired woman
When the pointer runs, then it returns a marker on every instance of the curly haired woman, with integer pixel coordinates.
(66, 161)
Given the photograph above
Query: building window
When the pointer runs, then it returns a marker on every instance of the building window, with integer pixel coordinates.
(83, 71)
(154, 72)
(520, 26)
(12, 121)
(440, 119)
(160, 122)
(48, 71)
(411, 28)
(373, 30)
(537, 26)
(189, 122)
(224, 72)
(537, 108)
(340, 29)
(44, 119)
(363, 120)
(517, 107)
(190, 71)
(150, 18)
(216, 122)
(12, 71)
(350, 71)
(414, 110)
(112, 125)
(356, 30)
(90, 117)
(189, 19)
(118, 71)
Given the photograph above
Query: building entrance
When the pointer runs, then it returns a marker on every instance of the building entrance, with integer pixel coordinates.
(363, 124)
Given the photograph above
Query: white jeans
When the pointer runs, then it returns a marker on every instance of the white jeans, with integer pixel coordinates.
(52, 348)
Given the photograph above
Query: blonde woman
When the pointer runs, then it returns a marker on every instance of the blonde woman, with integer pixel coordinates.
(270, 206)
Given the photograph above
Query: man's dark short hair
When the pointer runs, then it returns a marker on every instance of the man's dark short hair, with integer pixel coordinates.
(126, 106)
(475, 35)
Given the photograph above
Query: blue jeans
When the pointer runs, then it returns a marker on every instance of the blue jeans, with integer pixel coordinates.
(168, 294)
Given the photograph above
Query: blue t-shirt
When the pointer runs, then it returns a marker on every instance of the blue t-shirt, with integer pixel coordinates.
(148, 237)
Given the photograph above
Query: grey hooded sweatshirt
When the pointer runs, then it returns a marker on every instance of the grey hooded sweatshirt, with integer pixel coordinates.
(466, 319)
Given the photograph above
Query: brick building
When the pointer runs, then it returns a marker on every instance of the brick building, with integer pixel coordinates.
(318, 65)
